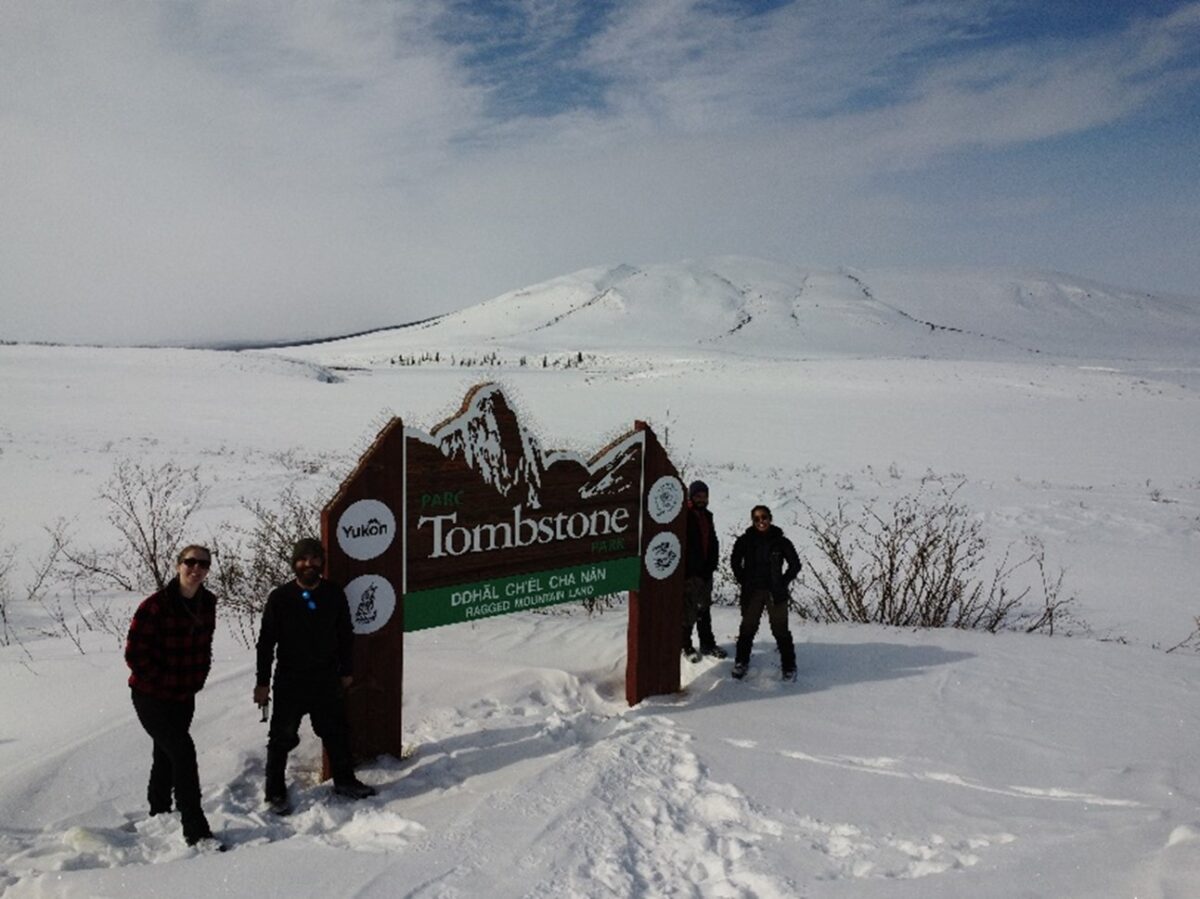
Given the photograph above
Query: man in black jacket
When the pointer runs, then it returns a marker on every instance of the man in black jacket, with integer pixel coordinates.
(700, 562)
(306, 631)
(765, 563)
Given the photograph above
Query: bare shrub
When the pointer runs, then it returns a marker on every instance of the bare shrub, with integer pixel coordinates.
(598, 605)
(150, 508)
(252, 561)
(59, 620)
(1191, 641)
(921, 563)
(726, 590)
(9, 635)
(81, 610)
(8, 556)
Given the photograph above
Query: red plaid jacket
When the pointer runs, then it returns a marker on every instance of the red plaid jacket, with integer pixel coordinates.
(169, 647)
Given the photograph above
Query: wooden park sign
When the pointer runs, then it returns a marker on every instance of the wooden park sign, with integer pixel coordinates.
(474, 519)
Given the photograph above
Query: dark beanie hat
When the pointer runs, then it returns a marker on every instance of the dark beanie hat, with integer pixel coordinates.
(309, 546)
(697, 487)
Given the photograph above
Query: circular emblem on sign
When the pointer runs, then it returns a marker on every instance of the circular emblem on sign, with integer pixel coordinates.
(366, 529)
(372, 602)
(662, 555)
(664, 502)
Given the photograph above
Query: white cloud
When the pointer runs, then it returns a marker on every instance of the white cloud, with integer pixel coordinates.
(285, 168)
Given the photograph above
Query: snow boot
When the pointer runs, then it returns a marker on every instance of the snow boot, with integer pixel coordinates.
(198, 834)
(353, 788)
(276, 793)
(208, 845)
(279, 804)
(739, 670)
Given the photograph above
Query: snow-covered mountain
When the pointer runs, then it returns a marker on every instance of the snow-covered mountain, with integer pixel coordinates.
(758, 308)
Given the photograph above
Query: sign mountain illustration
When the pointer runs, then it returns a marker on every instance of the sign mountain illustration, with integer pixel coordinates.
(489, 438)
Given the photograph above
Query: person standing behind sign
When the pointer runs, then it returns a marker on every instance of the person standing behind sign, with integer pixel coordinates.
(765, 563)
(169, 654)
(306, 633)
(703, 555)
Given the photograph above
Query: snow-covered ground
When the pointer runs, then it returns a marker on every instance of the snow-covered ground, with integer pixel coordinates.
(922, 764)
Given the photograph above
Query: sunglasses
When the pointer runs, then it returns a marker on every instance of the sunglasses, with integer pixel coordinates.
(762, 517)
(192, 563)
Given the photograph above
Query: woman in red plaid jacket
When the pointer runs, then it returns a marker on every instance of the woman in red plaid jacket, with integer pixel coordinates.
(169, 653)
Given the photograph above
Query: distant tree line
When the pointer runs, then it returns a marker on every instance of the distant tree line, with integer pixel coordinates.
(491, 360)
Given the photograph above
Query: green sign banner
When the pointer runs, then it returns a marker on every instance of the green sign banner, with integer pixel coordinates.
(516, 593)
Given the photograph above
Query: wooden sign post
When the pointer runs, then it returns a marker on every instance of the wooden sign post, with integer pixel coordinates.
(364, 552)
(655, 636)
(474, 519)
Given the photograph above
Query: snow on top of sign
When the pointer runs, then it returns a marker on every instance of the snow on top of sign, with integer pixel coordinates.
(561, 455)
(487, 429)
(611, 466)
(486, 434)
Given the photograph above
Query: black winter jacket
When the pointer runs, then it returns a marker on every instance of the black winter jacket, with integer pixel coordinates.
(765, 561)
(703, 550)
(311, 635)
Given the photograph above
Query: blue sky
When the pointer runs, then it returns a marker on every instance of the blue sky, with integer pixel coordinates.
(288, 169)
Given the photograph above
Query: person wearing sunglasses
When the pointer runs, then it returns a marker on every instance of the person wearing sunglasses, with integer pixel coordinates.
(169, 654)
(306, 635)
(764, 563)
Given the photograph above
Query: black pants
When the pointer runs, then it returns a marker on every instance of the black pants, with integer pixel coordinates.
(697, 612)
(321, 700)
(173, 762)
(753, 603)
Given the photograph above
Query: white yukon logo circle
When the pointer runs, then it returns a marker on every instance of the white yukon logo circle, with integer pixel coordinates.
(372, 603)
(366, 529)
(665, 499)
(662, 555)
